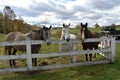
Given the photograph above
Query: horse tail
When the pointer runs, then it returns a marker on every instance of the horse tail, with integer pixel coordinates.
(4, 50)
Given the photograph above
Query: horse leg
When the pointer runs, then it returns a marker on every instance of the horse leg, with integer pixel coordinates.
(95, 55)
(35, 61)
(86, 57)
(14, 52)
(90, 57)
(9, 52)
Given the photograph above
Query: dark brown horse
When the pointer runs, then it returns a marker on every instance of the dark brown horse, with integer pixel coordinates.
(85, 34)
(42, 34)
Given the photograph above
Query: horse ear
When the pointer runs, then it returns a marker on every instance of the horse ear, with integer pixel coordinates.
(63, 25)
(81, 24)
(86, 23)
(50, 27)
(44, 27)
(69, 24)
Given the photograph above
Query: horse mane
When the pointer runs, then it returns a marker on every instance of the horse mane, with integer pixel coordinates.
(34, 33)
(37, 30)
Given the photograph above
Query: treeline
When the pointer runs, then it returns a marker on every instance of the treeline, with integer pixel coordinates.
(9, 22)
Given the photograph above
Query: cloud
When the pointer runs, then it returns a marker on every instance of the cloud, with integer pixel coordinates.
(25, 12)
(104, 12)
(104, 4)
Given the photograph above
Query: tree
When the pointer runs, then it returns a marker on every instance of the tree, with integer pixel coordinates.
(9, 13)
(113, 25)
(77, 26)
(96, 25)
(9, 22)
(1, 25)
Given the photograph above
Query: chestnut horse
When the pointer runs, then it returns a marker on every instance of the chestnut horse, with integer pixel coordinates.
(85, 34)
(42, 34)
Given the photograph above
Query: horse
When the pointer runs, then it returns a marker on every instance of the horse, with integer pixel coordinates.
(65, 35)
(85, 34)
(41, 34)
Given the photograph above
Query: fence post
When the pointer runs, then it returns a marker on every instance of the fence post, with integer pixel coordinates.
(74, 57)
(113, 52)
(28, 50)
(60, 46)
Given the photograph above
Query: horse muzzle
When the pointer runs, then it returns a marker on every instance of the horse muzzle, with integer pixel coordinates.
(82, 40)
(67, 39)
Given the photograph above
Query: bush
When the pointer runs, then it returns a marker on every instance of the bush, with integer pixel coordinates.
(56, 34)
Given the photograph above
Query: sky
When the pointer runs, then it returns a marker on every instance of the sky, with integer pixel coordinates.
(57, 12)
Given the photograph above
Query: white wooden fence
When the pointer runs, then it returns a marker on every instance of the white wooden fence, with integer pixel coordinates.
(109, 57)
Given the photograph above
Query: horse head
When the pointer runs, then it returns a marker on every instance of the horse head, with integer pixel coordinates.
(65, 32)
(83, 30)
(47, 34)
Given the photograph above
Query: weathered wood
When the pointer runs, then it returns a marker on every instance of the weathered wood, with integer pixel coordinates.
(69, 53)
(69, 65)
(43, 42)
(18, 56)
(53, 66)
(74, 58)
(113, 56)
(29, 58)
(14, 69)
(9, 43)
(110, 50)
(23, 56)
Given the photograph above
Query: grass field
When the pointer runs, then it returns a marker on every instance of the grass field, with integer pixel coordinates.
(91, 72)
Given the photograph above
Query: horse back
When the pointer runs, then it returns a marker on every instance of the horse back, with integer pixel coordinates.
(73, 37)
(95, 35)
(10, 36)
(15, 36)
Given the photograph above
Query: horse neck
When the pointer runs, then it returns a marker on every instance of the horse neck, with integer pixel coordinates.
(62, 36)
(88, 34)
(37, 35)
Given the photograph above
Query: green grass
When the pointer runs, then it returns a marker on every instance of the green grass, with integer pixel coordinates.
(91, 72)
(2, 37)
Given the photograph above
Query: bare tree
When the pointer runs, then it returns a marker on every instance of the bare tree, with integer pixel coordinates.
(9, 13)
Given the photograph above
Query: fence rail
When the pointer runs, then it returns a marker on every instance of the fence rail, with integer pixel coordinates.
(109, 58)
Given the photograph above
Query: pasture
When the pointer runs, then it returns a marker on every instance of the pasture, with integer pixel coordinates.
(91, 72)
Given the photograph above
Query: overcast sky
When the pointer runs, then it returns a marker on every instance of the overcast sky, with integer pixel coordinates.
(57, 12)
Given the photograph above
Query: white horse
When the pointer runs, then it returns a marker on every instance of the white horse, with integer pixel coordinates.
(65, 35)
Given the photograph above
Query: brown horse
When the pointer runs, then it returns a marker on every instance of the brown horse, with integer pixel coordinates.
(85, 34)
(42, 34)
